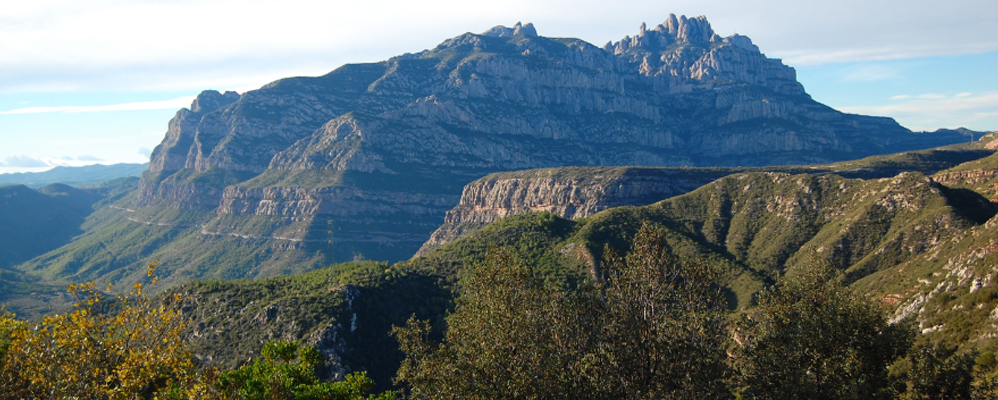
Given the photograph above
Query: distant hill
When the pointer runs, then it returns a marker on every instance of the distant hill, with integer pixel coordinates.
(89, 175)
(33, 222)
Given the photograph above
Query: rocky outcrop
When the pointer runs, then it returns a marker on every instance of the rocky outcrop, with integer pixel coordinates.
(227, 326)
(979, 175)
(349, 221)
(683, 54)
(171, 154)
(566, 192)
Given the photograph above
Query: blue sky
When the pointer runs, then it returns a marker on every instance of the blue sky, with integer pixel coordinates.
(97, 81)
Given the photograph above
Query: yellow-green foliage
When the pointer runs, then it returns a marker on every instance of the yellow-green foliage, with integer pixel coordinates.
(133, 347)
(811, 338)
(123, 349)
(8, 326)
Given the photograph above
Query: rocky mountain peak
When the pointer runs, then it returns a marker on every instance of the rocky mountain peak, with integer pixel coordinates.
(527, 30)
(381, 151)
(742, 42)
(684, 54)
(211, 100)
(695, 31)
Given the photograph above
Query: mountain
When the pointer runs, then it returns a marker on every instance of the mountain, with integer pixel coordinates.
(366, 160)
(89, 175)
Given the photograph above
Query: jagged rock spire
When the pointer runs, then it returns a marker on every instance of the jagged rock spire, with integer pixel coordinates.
(675, 29)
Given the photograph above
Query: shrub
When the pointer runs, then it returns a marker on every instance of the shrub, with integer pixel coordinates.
(287, 371)
(123, 349)
(811, 338)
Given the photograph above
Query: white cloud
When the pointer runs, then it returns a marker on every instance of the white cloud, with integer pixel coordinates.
(179, 102)
(817, 55)
(23, 161)
(89, 158)
(871, 73)
(901, 97)
(144, 152)
(932, 111)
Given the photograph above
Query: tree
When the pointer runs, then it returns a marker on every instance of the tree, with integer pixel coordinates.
(811, 338)
(654, 329)
(9, 325)
(511, 335)
(933, 372)
(287, 371)
(664, 327)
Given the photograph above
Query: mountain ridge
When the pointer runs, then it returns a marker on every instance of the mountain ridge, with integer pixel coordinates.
(88, 175)
(366, 160)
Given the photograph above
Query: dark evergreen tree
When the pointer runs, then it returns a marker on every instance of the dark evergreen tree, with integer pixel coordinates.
(654, 329)
(812, 338)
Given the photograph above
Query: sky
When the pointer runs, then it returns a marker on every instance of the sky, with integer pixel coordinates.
(98, 81)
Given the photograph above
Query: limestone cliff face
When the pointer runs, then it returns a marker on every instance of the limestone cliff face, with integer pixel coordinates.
(367, 159)
(328, 216)
(566, 192)
(171, 154)
(980, 175)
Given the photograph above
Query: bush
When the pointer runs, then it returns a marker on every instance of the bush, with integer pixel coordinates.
(133, 347)
(287, 371)
(123, 349)
(811, 338)
(933, 372)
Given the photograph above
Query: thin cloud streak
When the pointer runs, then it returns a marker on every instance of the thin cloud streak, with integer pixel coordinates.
(819, 56)
(179, 102)
(931, 111)
(871, 73)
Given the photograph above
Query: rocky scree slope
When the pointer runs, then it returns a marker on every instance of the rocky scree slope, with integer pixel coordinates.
(366, 160)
